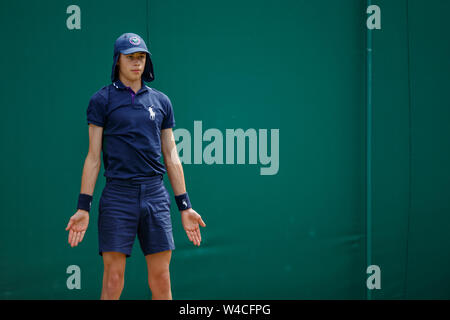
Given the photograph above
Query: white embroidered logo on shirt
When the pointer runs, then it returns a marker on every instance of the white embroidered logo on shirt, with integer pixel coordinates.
(152, 113)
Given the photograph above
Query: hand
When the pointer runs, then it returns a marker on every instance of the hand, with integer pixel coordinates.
(77, 225)
(190, 220)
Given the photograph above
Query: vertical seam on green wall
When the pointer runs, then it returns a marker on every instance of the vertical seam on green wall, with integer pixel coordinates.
(146, 22)
(409, 151)
(368, 150)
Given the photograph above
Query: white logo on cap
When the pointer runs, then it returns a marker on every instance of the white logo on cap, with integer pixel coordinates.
(135, 40)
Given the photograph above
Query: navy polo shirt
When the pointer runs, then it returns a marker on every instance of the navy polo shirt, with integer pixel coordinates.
(132, 124)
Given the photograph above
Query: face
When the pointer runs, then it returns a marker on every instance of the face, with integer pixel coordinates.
(131, 66)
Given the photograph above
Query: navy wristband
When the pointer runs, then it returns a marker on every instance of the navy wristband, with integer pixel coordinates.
(84, 202)
(183, 201)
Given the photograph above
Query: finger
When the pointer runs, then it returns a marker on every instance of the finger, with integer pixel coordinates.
(69, 224)
(77, 239)
(70, 236)
(197, 240)
(72, 240)
(202, 223)
(82, 235)
(193, 237)
(189, 235)
(199, 236)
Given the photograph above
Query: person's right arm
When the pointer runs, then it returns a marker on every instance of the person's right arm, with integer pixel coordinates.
(93, 161)
(79, 222)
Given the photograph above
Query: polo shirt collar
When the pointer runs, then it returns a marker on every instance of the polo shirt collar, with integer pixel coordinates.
(120, 85)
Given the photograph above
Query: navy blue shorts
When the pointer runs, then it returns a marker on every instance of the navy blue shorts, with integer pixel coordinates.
(141, 207)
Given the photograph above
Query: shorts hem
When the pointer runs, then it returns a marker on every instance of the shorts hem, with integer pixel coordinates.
(158, 250)
(127, 253)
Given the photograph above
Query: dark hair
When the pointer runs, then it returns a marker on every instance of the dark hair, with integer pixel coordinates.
(116, 70)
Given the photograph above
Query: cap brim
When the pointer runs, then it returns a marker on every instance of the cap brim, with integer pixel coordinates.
(133, 50)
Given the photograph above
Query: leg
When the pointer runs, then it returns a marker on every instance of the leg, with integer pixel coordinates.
(159, 275)
(113, 275)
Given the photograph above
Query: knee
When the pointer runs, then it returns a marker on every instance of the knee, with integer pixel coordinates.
(114, 280)
(159, 280)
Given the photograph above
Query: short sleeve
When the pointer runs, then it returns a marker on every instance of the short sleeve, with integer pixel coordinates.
(96, 111)
(169, 118)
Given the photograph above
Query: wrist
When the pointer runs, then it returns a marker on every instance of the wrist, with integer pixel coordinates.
(84, 202)
(183, 202)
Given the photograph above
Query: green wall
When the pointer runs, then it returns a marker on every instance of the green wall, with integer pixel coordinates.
(297, 66)
(411, 149)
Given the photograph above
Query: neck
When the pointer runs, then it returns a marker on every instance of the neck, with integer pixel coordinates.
(135, 85)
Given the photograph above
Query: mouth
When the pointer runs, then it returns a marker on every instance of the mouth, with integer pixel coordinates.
(135, 71)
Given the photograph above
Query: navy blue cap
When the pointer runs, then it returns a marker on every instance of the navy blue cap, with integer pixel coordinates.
(129, 43)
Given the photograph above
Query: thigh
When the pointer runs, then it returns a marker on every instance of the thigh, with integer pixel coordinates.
(114, 262)
(159, 262)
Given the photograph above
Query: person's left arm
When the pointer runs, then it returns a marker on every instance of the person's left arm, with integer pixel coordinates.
(189, 217)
